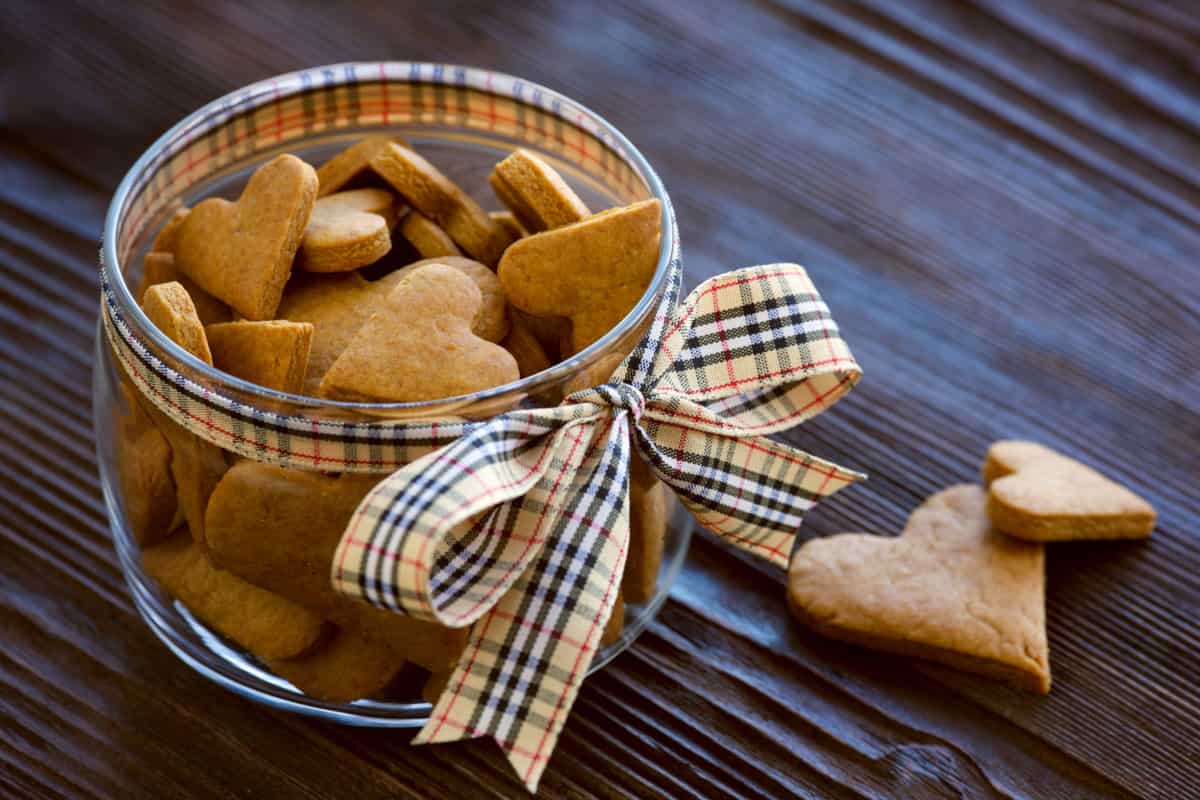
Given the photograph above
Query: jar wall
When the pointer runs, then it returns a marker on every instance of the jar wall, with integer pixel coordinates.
(160, 481)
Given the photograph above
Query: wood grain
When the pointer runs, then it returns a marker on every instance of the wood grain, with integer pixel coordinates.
(1000, 201)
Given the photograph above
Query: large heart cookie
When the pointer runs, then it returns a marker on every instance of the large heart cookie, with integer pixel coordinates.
(1037, 494)
(241, 252)
(949, 589)
(278, 529)
(419, 345)
(593, 271)
(348, 230)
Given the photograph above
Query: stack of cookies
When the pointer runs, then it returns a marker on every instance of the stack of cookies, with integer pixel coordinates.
(964, 584)
(373, 278)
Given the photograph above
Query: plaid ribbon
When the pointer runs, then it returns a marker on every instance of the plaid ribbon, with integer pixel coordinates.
(519, 526)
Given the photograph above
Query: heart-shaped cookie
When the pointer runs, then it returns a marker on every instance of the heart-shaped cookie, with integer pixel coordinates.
(419, 345)
(593, 271)
(241, 252)
(491, 322)
(278, 529)
(1038, 494)
(348, 230)
(949, 589)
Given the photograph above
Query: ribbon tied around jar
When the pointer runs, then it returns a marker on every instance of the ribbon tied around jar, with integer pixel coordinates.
(518, 526)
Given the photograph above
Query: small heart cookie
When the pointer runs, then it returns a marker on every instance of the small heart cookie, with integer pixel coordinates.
(337, 305)
(510, 223)
(143, 472)
(196, 465)
(949, 589)
(343, 669)
(241, 252)
(525, 348)
(535, 193)
(593, 271)
(419, 345)
(164, 242)
(348, 230)
(1038, 494)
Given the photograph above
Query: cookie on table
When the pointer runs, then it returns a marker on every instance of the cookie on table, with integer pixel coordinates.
(1038, 494)
(949, 589)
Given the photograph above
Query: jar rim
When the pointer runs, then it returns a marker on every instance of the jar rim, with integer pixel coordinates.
(395, 72)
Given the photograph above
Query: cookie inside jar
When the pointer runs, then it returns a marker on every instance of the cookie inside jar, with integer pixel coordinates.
(372, 277)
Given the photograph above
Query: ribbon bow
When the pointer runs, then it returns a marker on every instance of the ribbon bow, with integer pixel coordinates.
(520, 527)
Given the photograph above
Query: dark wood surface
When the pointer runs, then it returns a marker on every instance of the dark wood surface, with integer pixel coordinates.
(1000, 201)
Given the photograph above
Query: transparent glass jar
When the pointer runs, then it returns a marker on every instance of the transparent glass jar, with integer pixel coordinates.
(463, 120)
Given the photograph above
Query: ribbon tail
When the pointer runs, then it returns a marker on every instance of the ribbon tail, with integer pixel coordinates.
(527, 657)
(749, 490)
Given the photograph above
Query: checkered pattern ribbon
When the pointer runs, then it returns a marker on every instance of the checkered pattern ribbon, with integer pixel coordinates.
(520, 527)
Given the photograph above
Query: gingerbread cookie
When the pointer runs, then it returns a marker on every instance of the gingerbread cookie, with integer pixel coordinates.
(647, 531)
(510, 223)
(164, 242)
(196, 465)
(160, 268)
(949, 589)
(429, 240)
(491, 322)
(340, 670)
(337, 306)
(531, 357)
(535, 193)
(1038, 494)
(279, 529)
(349, 165)
(437, 197)
(419, 345)
(143, 473)
(241, 252)
(348, 230)
(616, 622)
(170, 308)
(593, 272)
(273, 353)
(265, 624)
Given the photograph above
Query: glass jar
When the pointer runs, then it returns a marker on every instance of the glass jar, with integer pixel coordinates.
(464, 120)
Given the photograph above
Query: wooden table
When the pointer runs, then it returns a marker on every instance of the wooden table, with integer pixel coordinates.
(1001, 203)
